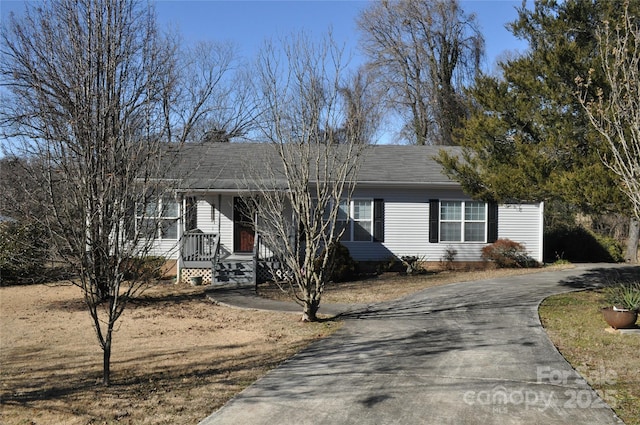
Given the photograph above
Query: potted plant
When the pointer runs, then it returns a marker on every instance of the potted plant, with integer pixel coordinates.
(624, 300)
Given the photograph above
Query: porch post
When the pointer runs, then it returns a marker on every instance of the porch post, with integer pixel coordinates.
(256, 249)
(183, 207)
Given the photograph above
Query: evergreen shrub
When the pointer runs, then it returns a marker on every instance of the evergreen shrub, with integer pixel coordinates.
(343, 267)
(580, 245)
(145, 268)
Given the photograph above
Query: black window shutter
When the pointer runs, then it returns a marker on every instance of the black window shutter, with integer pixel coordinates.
(492, 222)
(378, 220)
(434, 220)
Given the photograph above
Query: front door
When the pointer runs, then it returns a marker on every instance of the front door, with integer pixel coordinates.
(243, 232)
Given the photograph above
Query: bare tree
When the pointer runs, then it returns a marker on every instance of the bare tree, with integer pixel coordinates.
(362, 108)
(94, 93)
(314, 122)
(614, 112)
(216, 81)
(423, 52)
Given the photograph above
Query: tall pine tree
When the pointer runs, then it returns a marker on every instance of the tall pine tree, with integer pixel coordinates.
(528, 137)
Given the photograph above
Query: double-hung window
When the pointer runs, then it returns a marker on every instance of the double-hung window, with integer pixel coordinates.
(362, 220)
(158, 219)
(463, 221)
(356, 218)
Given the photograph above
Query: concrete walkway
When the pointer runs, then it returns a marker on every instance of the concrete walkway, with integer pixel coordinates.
(244, 296)
(466, 353)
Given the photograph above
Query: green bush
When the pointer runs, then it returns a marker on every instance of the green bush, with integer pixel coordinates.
(146, 268)
(392, 264)
(507, 254)
(343, 267)
(24, 251)
(612, 246)
(579, 245)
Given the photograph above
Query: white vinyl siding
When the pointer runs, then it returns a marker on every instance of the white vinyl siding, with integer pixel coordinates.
(406, 227)
(523, 223)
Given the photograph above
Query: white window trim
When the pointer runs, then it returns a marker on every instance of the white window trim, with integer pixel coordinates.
(462, 221)
(351, 221)
(159, 217)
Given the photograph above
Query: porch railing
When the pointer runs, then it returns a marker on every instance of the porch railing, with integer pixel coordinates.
(261, 252)
(198, 246)
(266, 265)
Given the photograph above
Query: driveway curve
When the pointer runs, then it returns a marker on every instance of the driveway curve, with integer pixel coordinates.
(465, 353)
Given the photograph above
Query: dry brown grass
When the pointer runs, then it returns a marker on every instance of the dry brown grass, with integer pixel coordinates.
(177, 357)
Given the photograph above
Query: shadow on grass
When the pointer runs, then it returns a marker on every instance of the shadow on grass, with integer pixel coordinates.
(603, 277)
(166, 294)
(55, 381)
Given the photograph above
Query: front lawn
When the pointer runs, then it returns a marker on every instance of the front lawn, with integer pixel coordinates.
(609, 361)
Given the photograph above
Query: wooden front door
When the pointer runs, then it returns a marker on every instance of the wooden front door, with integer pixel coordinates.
(243, 232)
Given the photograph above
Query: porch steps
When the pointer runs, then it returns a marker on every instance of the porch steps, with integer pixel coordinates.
(234, 271)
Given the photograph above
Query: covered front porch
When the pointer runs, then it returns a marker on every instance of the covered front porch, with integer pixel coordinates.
(219, 242)
(201, 256)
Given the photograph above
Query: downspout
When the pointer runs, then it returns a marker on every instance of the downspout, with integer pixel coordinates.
(217, 251)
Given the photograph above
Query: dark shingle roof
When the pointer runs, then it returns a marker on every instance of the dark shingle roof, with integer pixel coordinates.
(232, 165)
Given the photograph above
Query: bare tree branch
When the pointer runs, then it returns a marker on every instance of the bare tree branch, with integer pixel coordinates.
(97, 96)
(423, 52)
(316, 125)
(615, 112)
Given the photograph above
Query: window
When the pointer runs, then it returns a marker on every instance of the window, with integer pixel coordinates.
(158, 219)
(362, 220)
(191, 213)
(342, 221)
(463, 221)
(356, 219)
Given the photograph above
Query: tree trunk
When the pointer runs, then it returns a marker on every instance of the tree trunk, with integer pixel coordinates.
(106, 362)
(310, 310)
(106, 358)
(631, 255)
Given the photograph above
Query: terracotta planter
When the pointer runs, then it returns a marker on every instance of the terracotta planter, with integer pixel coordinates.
(620, 319)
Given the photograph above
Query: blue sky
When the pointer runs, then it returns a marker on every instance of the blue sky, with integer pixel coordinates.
(248, 23)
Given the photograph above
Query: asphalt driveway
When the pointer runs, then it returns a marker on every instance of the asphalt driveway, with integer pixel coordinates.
(467, 353)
